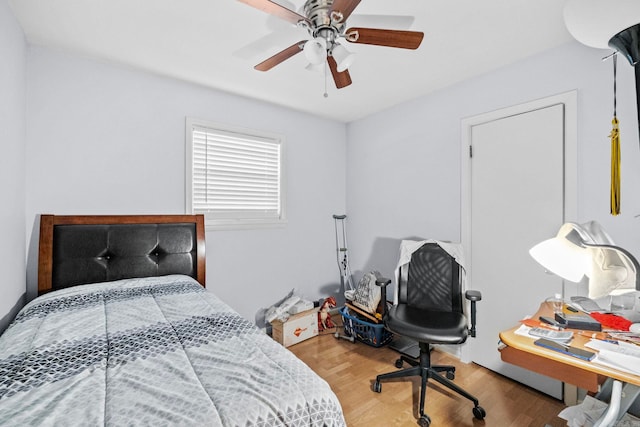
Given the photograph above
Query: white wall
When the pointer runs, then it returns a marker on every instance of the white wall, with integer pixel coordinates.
(403, 176)
(108, 140)
(12, 164)
(104, 139)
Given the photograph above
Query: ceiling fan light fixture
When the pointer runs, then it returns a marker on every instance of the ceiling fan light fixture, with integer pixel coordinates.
(316, 50)
(343, 57)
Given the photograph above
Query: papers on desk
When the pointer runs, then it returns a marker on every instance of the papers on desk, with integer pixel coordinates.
(550, 334)
(622, 356)
(629, 337)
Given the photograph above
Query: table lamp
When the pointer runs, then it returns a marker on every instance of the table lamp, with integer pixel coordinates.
(580, 250)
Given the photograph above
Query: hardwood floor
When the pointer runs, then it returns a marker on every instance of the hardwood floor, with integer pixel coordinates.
(350, 369)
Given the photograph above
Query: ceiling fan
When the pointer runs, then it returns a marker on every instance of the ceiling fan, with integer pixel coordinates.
(325, 21)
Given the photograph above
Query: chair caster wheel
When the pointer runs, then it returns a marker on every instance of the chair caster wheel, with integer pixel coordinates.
(352, 339)
(424, 421)
(399, 363)
(451, 375)
(479, 412)
(337, 335)
(377, 387)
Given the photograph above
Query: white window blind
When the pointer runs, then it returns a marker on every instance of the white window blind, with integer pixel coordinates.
(236, 175)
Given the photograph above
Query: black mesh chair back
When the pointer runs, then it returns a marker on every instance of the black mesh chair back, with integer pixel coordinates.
(432, 281)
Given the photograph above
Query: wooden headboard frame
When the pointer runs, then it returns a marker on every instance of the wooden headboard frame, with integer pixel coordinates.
(49, 222)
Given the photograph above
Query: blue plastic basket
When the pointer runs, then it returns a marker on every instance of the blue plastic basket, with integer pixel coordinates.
(373, 334)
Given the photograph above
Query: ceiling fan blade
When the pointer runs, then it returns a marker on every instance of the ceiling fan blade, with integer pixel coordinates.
(281, 56)
(402, 22)
(275, 9)
(390, 38)
(345, 7)
(342, 79)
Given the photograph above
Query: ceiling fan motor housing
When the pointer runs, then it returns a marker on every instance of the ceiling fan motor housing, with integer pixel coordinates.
(322, 25)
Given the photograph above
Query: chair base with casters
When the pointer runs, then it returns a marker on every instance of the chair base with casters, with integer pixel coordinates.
(429, 309)
(425, 370)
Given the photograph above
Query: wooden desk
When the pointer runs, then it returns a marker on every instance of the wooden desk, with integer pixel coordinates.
(521, 351)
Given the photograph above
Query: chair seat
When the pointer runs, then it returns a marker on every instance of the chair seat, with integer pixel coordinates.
(430, 326)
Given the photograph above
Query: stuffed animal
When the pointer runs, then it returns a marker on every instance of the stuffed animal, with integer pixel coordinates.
(324, 318)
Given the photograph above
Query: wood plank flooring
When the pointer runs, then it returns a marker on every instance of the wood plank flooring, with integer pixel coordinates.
(350, 369)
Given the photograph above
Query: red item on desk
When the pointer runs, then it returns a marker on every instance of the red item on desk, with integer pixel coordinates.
(612, 321)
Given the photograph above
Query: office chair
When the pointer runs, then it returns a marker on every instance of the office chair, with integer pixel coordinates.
(429, 309)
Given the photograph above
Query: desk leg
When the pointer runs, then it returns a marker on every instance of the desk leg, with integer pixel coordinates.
(620, 400)
(570, 394)
(609, 417)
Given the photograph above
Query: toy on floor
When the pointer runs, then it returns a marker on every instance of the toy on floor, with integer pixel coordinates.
(324, 318)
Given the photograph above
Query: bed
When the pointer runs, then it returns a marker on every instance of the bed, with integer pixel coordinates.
(124, 333)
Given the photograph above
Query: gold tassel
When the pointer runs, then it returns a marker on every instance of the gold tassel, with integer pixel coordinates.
(615, 167)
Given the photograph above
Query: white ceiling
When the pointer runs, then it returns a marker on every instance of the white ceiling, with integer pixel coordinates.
(216, 43)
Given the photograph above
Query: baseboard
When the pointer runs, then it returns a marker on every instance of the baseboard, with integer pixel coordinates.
(8, 318)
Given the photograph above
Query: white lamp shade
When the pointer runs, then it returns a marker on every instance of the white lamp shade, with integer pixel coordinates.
(595, 22)
(580, 250)
(562, 258)
(343, 57)
(316, 50)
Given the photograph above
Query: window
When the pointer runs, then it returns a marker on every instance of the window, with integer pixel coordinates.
(234, 176)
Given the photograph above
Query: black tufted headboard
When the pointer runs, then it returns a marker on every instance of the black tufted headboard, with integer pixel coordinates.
(89, 249)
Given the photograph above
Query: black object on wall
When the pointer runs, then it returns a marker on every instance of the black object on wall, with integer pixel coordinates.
(627, 42)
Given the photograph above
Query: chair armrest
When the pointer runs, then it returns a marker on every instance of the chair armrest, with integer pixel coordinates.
(473, 295)
(383, 282)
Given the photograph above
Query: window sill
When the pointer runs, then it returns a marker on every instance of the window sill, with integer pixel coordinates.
(242, 224)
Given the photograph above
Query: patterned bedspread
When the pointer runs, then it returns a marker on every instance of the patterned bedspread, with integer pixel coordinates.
(154, 351)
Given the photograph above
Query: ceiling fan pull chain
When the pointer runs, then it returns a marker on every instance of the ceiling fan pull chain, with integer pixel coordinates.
(326, 95)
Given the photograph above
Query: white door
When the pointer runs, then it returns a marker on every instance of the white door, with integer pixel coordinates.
(515, 199)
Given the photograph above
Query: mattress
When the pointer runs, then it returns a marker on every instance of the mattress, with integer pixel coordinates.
(152, 351)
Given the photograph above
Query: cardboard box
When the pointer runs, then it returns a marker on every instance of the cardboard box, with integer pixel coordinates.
(297, 328)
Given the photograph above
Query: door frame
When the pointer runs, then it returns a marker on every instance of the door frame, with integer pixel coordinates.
(570, 208)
